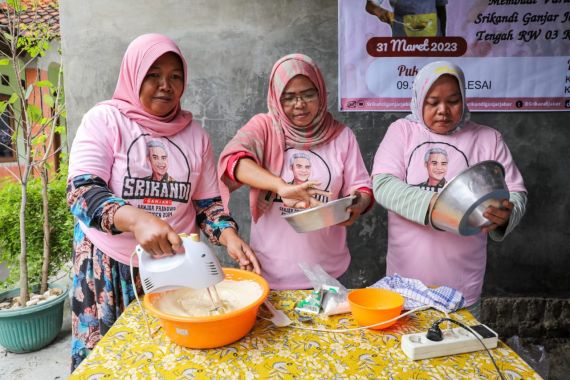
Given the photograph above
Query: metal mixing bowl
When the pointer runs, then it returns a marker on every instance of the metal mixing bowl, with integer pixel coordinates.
(322, 216)
(460, 205)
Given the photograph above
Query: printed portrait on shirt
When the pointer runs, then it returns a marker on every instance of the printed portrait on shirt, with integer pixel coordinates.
(158, 159)
(435, 161)
(300, 166)
(433, 164)
(155, 167)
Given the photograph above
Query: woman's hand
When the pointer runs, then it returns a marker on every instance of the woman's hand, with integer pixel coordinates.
(359, 205)
(153, 234)
(248, 172)
(382, 14)
(430, 208)
(240, 251)
(498, 216)
(301, 195)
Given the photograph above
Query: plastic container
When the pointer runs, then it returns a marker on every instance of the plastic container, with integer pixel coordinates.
(211, 331)
(372, 305)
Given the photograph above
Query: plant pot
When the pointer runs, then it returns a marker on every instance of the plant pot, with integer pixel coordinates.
(31, 328)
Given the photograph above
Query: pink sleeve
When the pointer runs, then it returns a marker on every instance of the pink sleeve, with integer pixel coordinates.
(93, 148)
(389, 158)
(232, 163)
(355, 173)
(207, 187)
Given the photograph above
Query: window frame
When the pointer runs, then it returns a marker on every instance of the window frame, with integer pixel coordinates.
(14, 157)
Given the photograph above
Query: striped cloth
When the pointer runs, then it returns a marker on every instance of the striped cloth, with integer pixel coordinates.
(416, 294)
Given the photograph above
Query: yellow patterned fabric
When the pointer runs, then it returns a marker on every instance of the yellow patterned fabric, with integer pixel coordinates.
(270, 352)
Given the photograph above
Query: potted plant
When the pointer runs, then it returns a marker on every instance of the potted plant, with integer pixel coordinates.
(31, 118)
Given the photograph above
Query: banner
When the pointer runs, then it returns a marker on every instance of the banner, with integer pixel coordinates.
(515, 53)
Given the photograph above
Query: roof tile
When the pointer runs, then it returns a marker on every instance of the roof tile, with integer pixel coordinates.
(47, 11)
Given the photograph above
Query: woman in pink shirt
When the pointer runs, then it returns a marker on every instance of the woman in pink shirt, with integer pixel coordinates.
(295, 156)
(141, 171)
(438, 141)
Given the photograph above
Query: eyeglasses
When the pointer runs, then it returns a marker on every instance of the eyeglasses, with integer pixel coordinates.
(307, 97)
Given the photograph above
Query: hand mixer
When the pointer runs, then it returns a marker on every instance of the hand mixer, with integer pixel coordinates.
(197, 268)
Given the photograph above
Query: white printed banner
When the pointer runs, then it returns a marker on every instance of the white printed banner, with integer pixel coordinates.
(515, 53)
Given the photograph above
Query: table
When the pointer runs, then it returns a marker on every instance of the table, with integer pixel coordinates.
(127, 352)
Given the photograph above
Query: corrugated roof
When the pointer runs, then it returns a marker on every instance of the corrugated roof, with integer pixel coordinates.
(46, 11)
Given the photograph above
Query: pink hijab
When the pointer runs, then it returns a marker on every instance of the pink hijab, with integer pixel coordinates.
(139, 57)
(266, 136)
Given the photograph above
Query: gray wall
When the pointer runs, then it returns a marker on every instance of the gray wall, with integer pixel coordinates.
(231, 46)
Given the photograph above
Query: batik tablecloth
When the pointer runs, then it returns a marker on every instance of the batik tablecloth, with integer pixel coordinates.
(270, 352)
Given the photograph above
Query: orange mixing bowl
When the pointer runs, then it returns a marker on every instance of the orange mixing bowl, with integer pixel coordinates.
(211, 331)
(372, 305)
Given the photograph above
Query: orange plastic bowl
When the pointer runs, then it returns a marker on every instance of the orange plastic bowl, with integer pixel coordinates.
(372, 305)
(211, 331)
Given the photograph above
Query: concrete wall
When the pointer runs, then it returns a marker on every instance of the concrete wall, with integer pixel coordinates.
(231, 46)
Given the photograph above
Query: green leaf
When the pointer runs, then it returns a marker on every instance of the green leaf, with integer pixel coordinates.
(48, 100)
(3, 106)
(4, 61)
(15, 4)
(44, 83)
(34, 113)
(8, 37)
(13, 98)
(39, 140)
(28, 91)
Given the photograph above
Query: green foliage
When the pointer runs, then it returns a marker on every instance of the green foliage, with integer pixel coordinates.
(28, 91)
(61, 224)
(8, 37)
(48, 100)
(39, 139)
(34, 113)
(17, 5)
(33, 128)
(34, 38)
(44, 83)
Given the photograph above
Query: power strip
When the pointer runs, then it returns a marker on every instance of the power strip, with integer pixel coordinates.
(455, 341)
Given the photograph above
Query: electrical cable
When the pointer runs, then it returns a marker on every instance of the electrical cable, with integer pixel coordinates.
(137, 295)
(435, 334)
(354, 328)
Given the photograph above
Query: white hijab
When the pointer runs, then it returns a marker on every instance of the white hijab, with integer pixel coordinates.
(422, 84)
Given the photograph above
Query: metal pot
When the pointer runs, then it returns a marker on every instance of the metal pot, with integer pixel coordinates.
(460, 205)
(322, 216)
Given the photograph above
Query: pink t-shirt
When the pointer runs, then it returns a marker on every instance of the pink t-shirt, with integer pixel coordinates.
(417, 251)
(161, 175)
(339, 167)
